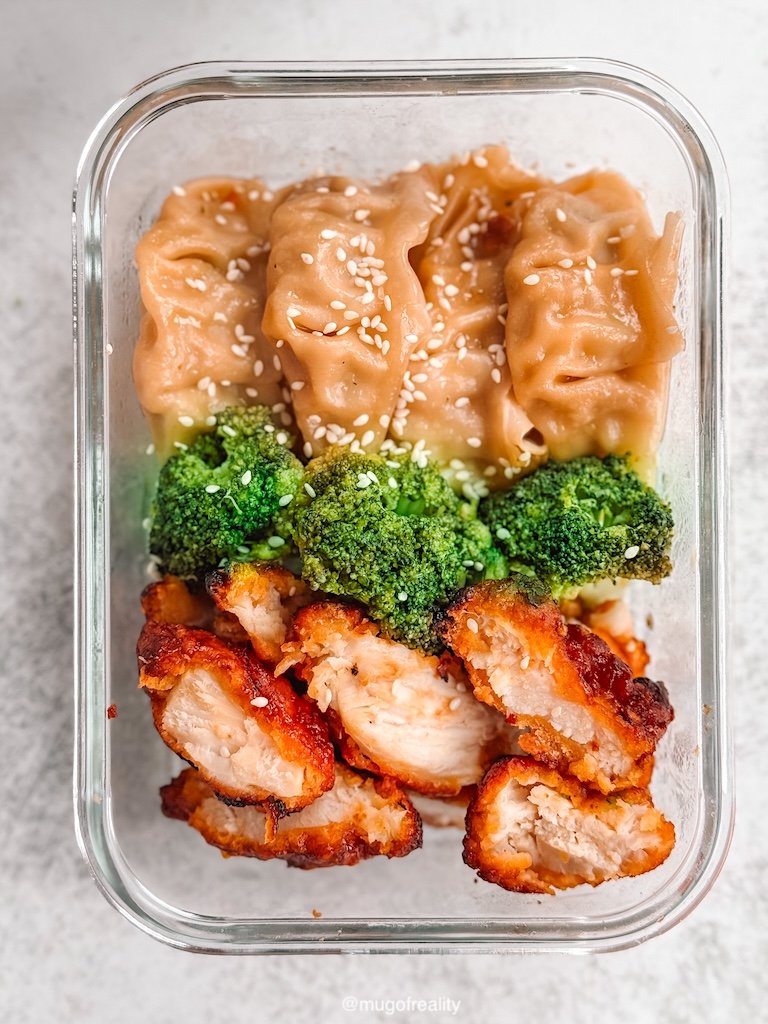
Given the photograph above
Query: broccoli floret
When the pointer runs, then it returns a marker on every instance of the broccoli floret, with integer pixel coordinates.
(221, 497)
(391, 534)
(573, 523)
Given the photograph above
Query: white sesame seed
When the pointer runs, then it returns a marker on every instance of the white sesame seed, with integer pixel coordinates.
(616, 271)
(613, 239)
(367, 438)
(149, 450)
(352, 267)
(341, 254)
(451, 290)
(327, 233)
(560, 214)
(337, 304)
(220, 219)
(479, 160)
(472, 625)
(350, 190)
(361, 420)
(461, 403)
(281, 437)
(531, 279)
(285, 500)
(224, 751)
(525, 662)
(307, 258)
(210, 421)
(496, 375)
(474, 442)
(330, 327)
(631, 273)
(310, 490)
(254, 194)
(246, 478)
(411, 338)
(402, 596)
(591, 263)
(267, 196)
(308, 453)
(588, 276)
(632, 552)
(566, 264)
(212, 489)
(276, 362)
(341, 332)
(360, 215)
(392, 482)
(229, 431)
(238, 351)
(259, 702)
(275, 542)
(178, 190)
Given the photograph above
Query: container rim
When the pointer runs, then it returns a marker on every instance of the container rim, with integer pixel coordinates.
(93, 826)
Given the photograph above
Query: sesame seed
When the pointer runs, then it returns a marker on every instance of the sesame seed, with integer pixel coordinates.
(472, 625)
(275, 542)
(531, 279)
(259, 702)
(307, 258)
(276, 362)
(631, 273)
(588, 276)
(461, 403)
(341, 254)
(210, 421)
(310, 490)
(361, 420)
(360, 215)
(281, 437)
(267, 196)
(337, 304)
(566, 264)
(224, 751)
(149, 450)
(525, 662)
(591, 263)
(616, 271)
(352, 267)
(239, 351)
(220, 219)
(341, 332)
(212, 489)
(178, 190)
(285, 500)
(411, 338)
(392, 482)
(350, 190)
(632, 552)
(479, 160)
(308, 453)
(474, 442)
(367, 438)
(451, 290)
(402, 596)
(454, 704)
(613, 239)
(327, 233)
(363, 481)
(330, 327)
(496, 375)
(197, 283)
(560, 214)
(246, 478)
(229, 431)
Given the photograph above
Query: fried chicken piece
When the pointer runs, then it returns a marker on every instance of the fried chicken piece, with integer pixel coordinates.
(442, 811)
(392, 710)
(612, 622)
(358, 818)
(171, 600)
(582, 712)
(263, 599)
(530, 829)
(253, 739)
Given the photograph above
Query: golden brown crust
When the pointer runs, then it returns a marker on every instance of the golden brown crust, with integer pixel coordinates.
(512, 861)
(168, 652)
(583, 672)
(378, 820)
(171, 600)
(263, 599)
(324, 633)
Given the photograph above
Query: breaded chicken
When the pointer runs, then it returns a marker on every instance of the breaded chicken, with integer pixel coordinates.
(263, 599)
(581, 711)
(253, 739)
(612, 622)
(171, 600)
(530, 829)
(356, 819)
(442, 811)
(392, 710)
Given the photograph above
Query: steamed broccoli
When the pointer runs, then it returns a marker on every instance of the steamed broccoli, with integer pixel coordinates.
(573, 523)
(226, 496)
(391, 534)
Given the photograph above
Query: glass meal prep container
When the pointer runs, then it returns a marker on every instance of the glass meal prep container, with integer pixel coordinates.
(281, 122)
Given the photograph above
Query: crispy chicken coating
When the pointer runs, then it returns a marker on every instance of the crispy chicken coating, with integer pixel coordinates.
(356, 819)
(530, 829)
(171, 600)
(253, 739)
(393, 710)
(581, 711)
(263, 599)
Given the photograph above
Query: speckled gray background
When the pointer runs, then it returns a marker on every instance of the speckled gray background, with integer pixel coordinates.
(66, 955)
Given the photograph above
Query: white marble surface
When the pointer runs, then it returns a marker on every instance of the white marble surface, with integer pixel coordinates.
(66, 955)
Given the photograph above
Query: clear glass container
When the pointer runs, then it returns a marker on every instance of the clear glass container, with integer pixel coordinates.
(279, 122)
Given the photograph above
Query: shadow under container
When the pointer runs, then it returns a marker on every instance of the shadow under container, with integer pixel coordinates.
(282, 122)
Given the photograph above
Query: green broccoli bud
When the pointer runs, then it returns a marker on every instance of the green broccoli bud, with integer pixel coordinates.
(574, 523)
(227, 496)
(390, 533)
